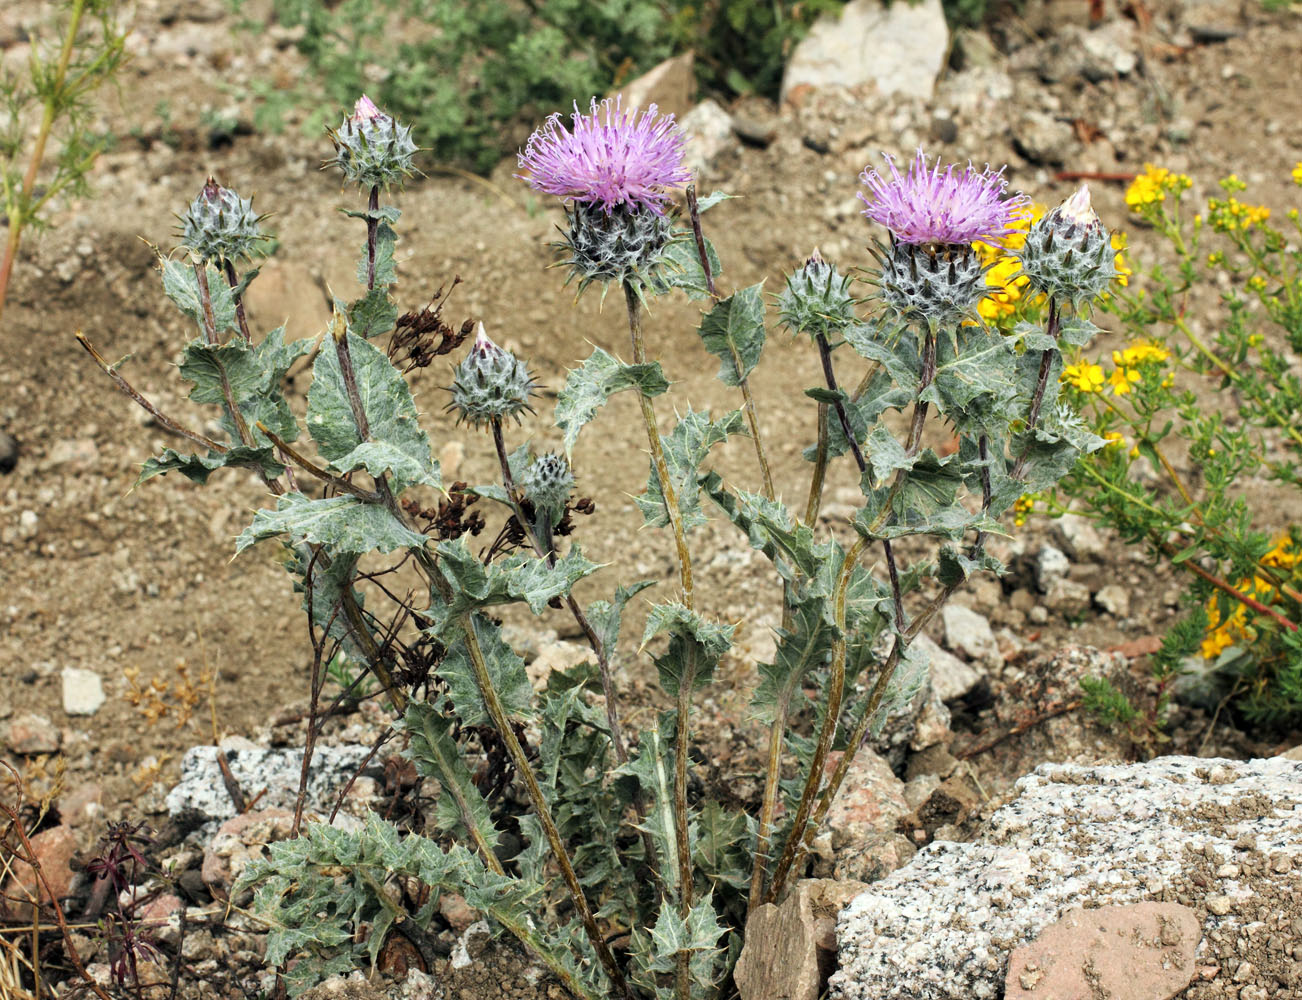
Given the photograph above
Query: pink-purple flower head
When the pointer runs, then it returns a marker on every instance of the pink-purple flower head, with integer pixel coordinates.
(609, 157)
(950, 206)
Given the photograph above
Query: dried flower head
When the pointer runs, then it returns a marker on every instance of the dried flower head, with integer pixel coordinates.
(611, 157)
(949, 206)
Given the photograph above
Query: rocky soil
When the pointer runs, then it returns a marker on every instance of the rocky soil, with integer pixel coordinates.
(128, 635)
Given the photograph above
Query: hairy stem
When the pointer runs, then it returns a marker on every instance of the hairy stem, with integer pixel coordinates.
(234, 282)
(682, 731)
(372, 228)
(817, 480)
(835, 691)
(493, 705)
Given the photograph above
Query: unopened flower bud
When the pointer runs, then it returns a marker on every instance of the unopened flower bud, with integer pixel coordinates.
(372, 148)
(220, 225)
(817, 299)
(1068, 254)
(548, 484)
(936, 284)
(491, 383)
(626, 243)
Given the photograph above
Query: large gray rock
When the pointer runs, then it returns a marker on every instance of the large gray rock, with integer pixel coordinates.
(900, 48)
(1221, 837)
(201, 794)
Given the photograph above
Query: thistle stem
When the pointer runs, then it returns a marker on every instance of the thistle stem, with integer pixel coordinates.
(493, 705)
(682, 729)
(372, 228)
(836, 689)
(233, 281)
(817, 480)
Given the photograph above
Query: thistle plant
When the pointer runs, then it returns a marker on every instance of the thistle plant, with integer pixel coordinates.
(1174, 476)
(614, 849)
(54, 95)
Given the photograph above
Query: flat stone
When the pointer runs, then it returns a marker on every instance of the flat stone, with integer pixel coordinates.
(710, 132)
(900, 48)
(871, 798)
(83, 691)
(790, 948)
(1114, 599)
(1051, 564)
(30, 734)
(201, 795)
(557, 655)
(670, 86)
(54, 850)
(286, 292)
(950, 677)
(1079, 538)
(1140, 951)
(1087, 836)
(1067, 597)
(969, 633)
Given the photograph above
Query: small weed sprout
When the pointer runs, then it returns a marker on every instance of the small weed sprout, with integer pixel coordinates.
(624, 885)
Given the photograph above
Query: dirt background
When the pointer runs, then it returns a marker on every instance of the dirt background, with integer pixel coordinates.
(141, 582)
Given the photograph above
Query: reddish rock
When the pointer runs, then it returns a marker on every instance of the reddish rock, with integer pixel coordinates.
(83, 805)
(871, 798)
(457, 912)
(30, 735)
(237, 842)
(1139, 951)
(54, 851)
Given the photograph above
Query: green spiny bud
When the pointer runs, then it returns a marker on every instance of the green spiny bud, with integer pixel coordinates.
(1068, 254)
(817, 299)
(623, 244)
(372, 148)
(220, 225)
(490, 384)
(548, 483)
(938, 284)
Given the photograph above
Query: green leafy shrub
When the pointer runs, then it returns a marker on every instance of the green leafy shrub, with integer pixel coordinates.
(1215, 390)
(472, 78)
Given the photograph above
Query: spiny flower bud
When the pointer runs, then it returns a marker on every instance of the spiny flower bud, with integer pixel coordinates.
(490, 383)
(1068, 254)
(548, 483)
(372, 148)
(220, 225)
(817, 299)
(933, 283)
(626, 243)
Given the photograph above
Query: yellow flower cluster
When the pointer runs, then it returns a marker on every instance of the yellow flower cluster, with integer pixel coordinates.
(1004, 272)
(1022, 508)
(1121, 261)
(1153, 185)
(1223, 634)
(1231, 214)
(1083, 377)
(1114, 437)
(1141, 352)
(1297, 174)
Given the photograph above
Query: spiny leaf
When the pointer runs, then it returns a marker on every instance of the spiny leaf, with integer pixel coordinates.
(606, 617)
(733, 331)
(436, 755)
(589, 386)
(651, 766)
(504, 667)
(197, 468)
(343, 523)
(385, 400)
(685, 449)
(182, 287)
(695, 645)
(682, 267)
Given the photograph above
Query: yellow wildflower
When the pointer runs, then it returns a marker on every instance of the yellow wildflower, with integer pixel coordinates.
(1141, 352)
(1257, 283)
(1153, 186)
(1231, 214)
(1022, 508)
(1085, 377)
(1114, 437)
(1297, 174)
(1120, 260)
(1121, 379)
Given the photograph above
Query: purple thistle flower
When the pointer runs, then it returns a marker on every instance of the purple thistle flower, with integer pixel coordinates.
(934, 206)
(611, 157)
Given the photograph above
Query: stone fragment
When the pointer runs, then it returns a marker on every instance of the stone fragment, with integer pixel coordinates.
(457, 912)
(1088, 836)
(670, 85)
(950, 677)
(1114, 599)
(900, 48)
(1051, 565)
(871, 798)
(201, 794)
(1140, 951)
(969, 633)
(558, 655)
(790, 947)
(8, 452)
(83, 691)
(31, 734)
(287, 292)
(1079, 538)
(709, 131)
(1044, 139)
(238, 841)
(1067, 597)
(54, 850)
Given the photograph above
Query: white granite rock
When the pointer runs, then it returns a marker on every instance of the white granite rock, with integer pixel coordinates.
(1222, 837)
(901, 48)
(950, 677)
(969, 633)
(83, 691)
